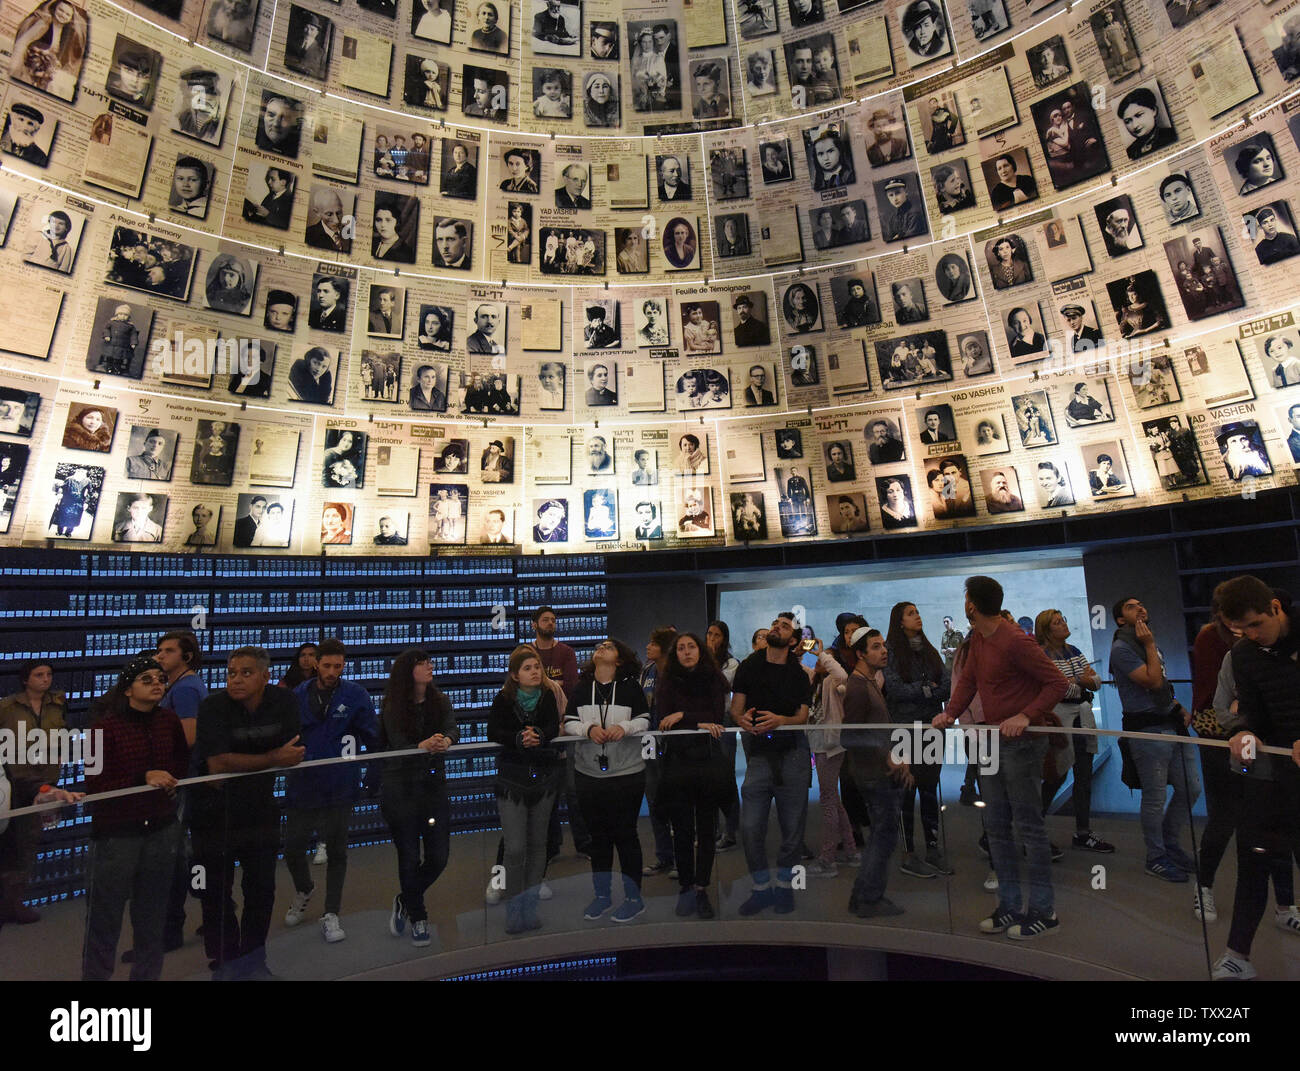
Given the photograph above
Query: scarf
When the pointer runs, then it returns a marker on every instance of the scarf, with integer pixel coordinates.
(526, 699)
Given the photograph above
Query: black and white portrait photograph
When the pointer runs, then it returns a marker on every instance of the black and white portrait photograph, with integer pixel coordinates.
(953, 277)
(1070, 136)
(1154, 381)
(952, 187)
(459, 171)
(774, 161)
(491, 24)
(1008, 261)
(395, 227)
(801, 363)
(601, 100)
(887, 142)
(90, 427)
(379, 376)
(1002, 490)
(1118, 223)
(1242, 450)
(935, 424)
(801, 309)
(448, 503)
(552, 94)
(263, 520)
(1253, 164)
(848, 513)
(694, 511)
(268, 195)
(428, 390)
(602, 40)
(1048, 61)
(633, 257)
(191, 186)
(1271, 232)
(18, 411)
(452, 457)
(748, 515)
(1279, 358)
(1115, 41)
(1034, 419)
(656, 64)
(814, 71)
(910, 306)
(551, 376)
(703, 388)
(155, 265)
(1009, 179)
(331, 219)
(308, 41)
(1052, 480)
(760, 386)
(884, 440)
(760, 72)
(49, 46)
(496, 461)
(756, 18)
(729, 173)
(710, 89)
(329, 302)
(343, 459)
(600, 513)
(119, 338)
(1174, 452)
(599, 325)
(1203, 273)
(572, 251)
(493, 393)
(313, 375)
(392, 529)
(700, 327)
(911, 360)
(795, 500)
(988, 18)
(253, 377)
(54, 238)
(76, 492)
(602, 383)
(991, 435)
(151, 453)
(431, 21)
(28, 134)
(899, 202)
(975, 353)
(1144, 121)
(1138, 304)
(1026, 338)
(215, 444)
(279, 124)
(434, 328)
(925, 30)
(829, 157)
(386, 311)
(842, 224)
(839, 461)
(650, 321)
(551, 520)
(133, 73)
(400, 155)
(485, 92)
(897, 508)
(674, 178)
(556, 27)
(232, 22)
(854, 298)
(947, 487)
(230, 284)
(1282, 36)
(789, 444)
(731, 235)
(749, 318)
(1178, 198)
(1089, 403)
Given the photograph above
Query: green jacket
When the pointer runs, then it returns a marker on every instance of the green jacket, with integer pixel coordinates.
(18, 718)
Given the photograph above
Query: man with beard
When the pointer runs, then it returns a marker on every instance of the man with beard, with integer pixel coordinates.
(1240, 456)
(1000, 499)
(882, 446)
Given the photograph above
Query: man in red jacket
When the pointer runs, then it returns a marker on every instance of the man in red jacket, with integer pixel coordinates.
(1018, 685)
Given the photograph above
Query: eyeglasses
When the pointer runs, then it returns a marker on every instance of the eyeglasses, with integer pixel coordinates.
(151, 678)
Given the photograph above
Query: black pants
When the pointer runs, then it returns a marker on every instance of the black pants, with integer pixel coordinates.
(226, 937)
(926, 776)
(1223, 796)
(610, 806)
(304, 825)
(854, 806)
(688, 799)
(1082, 795)
(730, 810)
(416, 825)
(1253, 871)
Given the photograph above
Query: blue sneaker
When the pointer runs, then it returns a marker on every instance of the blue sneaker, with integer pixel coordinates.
(598, 907)
(397, 918)
(628, 910)
(1163, 868)
(1000, 921)
(1032, 926)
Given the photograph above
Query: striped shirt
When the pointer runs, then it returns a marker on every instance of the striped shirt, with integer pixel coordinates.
(1072, 665)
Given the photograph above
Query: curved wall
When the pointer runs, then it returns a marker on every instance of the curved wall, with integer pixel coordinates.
(286, 277)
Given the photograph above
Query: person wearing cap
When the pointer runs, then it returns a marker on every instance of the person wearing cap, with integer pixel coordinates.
(902, 220)
(1275, 244)
(1080, 336)
(925, 30)
(494, 465)
(281, 310)
(748, 329)
(21, 126)
(1241, 457)
(308, 57)
(135, 837)
(246, 727)
(885, 148)
(201, 116)
(132, 76)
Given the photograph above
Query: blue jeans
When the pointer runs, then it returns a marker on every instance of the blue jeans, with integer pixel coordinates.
(791, 795)
(1013, 795)
(1159, 766)
(884, 803)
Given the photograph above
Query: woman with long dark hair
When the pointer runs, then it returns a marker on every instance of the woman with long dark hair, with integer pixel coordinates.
(692, 694)
(303, 667)
(718, 639)
(415, 713)
(917, 684)
(656, 659)
(524, 719)
(607, 708)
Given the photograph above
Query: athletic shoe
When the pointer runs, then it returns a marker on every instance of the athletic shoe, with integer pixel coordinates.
(877, 909)
(1088, 841)
(968, 796)
(808, 854)
(703, 906)
(725, 844)
(397, 918)
(654, 869)
(597, 908)
(818, 869)
(420, 933)
(330, 928)
(758, 900)
(629, 910)
(917, 867)
(1287, 919)
(685, 903)
(493, 895)
(1203, 906)
(1163, 868)
(544, 892)
(783, 899)
(849, 858)
(298, 908)
(1032, 926)
(672, 873)
(1180, 859)
(1000, 921)
(322, 856)
(935, 858)
(991, 882)
(1232, 968)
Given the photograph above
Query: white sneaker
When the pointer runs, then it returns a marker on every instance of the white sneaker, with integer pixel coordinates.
(1203, 906)
(818, 869)
(493, 895)
(298, 908)
(330, 928)
(544, 892)
(320, 858)
(1231, 968)
(991, 882)
(1288, 919)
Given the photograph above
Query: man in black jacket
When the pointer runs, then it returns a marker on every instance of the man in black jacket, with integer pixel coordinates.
(248, 727)
(1266, 671)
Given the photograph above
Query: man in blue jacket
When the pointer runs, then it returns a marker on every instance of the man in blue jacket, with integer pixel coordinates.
(338, 718)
